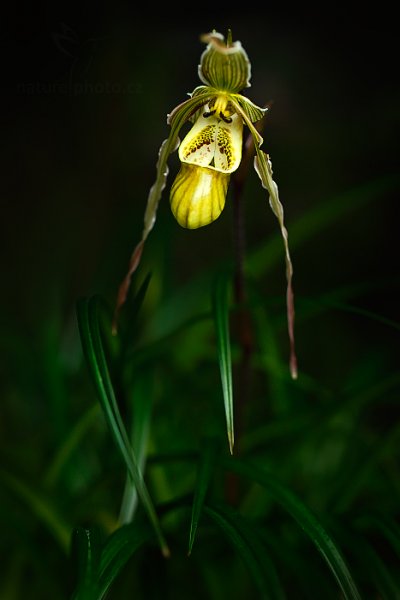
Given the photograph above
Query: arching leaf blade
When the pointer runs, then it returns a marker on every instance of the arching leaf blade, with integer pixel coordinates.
(88, 319)
(220, 304)
(305, 519)
(204, 473)
(240, 544)
(117, 551)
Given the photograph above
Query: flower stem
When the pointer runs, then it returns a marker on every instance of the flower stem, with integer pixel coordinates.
(241, 322)
(241, 316)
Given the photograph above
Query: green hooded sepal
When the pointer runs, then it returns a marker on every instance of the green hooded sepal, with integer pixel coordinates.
(224, 65)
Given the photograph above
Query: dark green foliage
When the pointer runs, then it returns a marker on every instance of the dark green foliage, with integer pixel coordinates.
(309, 506)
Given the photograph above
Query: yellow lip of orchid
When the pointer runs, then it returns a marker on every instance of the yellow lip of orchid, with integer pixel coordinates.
(209, 153)
(198, 195)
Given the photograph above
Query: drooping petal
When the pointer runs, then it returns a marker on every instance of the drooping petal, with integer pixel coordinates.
(263, 168)
(198, 195)
(213, 142)
(175, 119)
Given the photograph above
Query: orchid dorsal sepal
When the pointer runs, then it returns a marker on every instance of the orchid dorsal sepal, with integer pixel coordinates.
(224, 65)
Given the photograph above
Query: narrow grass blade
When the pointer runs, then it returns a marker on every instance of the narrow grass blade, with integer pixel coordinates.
(98, 565)
(221, 320)
(323, 215)
(204, 473)
(242, 546)
(88, 320)
(250, 535)
(305, 518)
(272, 363)
(142, 409)
(119, 548)
(86, 550)
(127, 334)
(41, 506)
(378, 571)
(375, 570)
(300, 570)
(356, 476)
(153, 350)
(322, 303)
(70, 444)
(386, 526)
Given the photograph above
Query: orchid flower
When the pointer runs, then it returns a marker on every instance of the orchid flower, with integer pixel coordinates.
(209, 153)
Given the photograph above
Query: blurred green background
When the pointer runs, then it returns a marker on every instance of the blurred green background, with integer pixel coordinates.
(87, 94)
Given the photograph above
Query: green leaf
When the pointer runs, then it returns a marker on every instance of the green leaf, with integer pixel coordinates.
(339, 299)
(220, 302)
(250, 534)
(142, 409)
(378, 571)
(86, 550)
(41, 506)
(88, 312)
(366, 313)
(245, 547)
(374, 571)
(128, 333)
(301, 571)
(71, 443)
(100, 564)
(204, 473)
(385, 525)
(305, 518)
(354, 477)
(153, 350)
(119, 548)
(314, 221)
(271, 360)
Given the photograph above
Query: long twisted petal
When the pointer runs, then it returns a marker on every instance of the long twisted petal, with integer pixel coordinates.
(176, 119)
(263, 167)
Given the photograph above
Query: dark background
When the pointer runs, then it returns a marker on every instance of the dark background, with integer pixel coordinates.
(87, 94)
